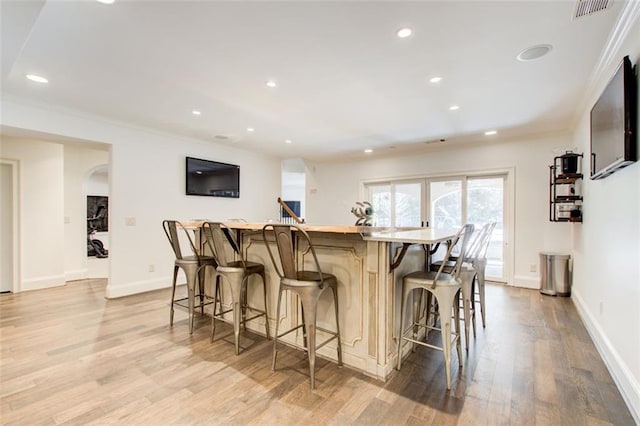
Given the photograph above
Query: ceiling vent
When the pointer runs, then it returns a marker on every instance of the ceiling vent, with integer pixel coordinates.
(588, 7)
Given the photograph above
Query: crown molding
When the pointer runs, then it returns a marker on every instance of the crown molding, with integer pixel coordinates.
(609, 56)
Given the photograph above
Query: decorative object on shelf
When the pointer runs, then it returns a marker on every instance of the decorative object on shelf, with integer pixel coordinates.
(565, 175)
(364, 212)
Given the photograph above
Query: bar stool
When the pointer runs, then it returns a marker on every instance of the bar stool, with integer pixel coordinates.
(480, 265)
(236, 273)
(445, 288)
(192, 265)
(473, 270)
(307, 285)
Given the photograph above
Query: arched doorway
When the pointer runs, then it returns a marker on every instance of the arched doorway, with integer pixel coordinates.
(96, 187)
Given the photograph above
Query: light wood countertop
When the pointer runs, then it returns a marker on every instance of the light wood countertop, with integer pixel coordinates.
(336, 229)
(414, 236)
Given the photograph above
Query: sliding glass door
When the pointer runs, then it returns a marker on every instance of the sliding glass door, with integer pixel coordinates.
(446, 202)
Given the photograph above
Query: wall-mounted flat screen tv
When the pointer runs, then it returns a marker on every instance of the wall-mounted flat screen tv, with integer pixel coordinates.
(614, 123)
(212, 179)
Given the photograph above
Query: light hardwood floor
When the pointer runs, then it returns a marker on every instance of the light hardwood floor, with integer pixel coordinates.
(71, 357)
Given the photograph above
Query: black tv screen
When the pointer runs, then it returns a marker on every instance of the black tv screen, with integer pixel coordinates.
(614, 123)
(212, 179)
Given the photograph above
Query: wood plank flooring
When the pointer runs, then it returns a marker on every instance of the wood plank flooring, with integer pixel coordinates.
(69, 356)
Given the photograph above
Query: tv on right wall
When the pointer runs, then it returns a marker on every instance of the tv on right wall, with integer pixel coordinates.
(614, 124)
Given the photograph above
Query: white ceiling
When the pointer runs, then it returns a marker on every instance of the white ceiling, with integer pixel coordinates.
(346, 82)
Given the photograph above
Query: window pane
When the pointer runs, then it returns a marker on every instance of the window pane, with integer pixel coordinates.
(485, 198)
(408, 207)
(446, 204)
(380, 196)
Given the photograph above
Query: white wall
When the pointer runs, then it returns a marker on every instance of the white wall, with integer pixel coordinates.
(607, 254)
(41, 211)
(78, 162)
(338, 186)
(147, 184)
(97, 183)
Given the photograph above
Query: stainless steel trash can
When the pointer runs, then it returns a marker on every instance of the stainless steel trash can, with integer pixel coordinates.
(555, 274)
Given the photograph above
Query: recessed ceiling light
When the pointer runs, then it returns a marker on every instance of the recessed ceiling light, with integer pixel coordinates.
(37, 78)
(404, 32)
(105, 1)
(271, 83)
(287, 141)
(454, 107)
(368, 151)
(196, 112)
(250, 129)
(435, 79)
(490, 132)
(534, 52)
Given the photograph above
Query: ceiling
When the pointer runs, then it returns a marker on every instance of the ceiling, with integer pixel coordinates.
(345, 81)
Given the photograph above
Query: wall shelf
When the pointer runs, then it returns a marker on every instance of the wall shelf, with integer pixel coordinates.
(565, 199)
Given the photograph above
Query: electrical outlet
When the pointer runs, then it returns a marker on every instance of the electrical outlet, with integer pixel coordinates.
(130, 221)
(152, 268)
(533, 267)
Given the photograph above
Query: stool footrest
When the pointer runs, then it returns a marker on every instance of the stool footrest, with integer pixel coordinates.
(335, 336)
(419, 342)
(219, 317)
(289, 331)
(182, 304)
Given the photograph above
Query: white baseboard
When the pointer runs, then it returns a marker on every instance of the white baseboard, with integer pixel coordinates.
(115, 291)
(628, 385)
(526, 282)
(78, 274)
(42, 282)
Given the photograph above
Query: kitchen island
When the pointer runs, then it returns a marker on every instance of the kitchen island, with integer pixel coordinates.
(361, 259)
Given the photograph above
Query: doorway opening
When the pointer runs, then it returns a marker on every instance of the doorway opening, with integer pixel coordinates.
(97, 208)
(9, 260)
(293, 187)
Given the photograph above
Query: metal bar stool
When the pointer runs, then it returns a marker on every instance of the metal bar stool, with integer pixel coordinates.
(236, 273)
(307, 285)
(473, 270)
(480, 265)
(193, 266)
(445, 288)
